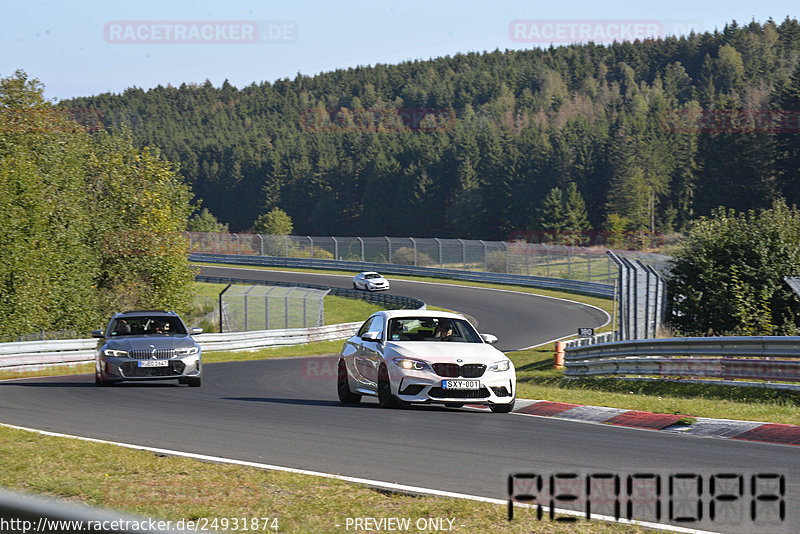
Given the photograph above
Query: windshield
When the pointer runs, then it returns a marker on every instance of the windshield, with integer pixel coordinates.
(432, 329)
(147, 326)
(372, 275)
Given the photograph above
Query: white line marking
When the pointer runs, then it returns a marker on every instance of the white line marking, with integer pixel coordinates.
(401, 488)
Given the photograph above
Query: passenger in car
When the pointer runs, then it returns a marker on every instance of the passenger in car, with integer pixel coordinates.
(444, 332)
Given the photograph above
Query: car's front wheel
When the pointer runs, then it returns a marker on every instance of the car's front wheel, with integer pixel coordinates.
(503, 408)
(99, 381)
(385, 397)
(355, 286)
(345, 395)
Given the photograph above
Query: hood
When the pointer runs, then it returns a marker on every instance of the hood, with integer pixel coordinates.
(446, 352)
(127, 343)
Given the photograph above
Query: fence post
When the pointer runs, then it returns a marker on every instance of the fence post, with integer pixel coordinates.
(389, 247)
(463, 253)
(439, 242)
(414, 243)
(335, 249)
(261, 244)
(506, 247)
(312, 245)
(485, 259)
(220, 307)
(362, 248)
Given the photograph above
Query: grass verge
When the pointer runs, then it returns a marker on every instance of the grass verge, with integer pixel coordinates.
(174, 488)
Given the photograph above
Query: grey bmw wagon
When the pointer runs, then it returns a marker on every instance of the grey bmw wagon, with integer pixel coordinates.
(147, 345)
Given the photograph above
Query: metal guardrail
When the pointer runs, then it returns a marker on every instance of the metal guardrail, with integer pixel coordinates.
(31, 355)
(770, 358)
(576, 286)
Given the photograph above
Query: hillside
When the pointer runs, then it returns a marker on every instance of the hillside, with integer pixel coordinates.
(344, 153)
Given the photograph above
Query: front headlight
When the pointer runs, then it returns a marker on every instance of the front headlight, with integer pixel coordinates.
(411, 365)
(497, 367)
(186, 351)
(115, 353)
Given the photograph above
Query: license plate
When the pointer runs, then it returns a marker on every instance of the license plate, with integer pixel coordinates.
(461, 384)
(153, 363)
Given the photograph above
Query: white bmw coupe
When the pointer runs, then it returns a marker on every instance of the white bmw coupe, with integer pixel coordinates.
(420, 356)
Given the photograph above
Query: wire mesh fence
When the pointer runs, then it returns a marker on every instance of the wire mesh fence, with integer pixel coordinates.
(518, 257)
(260, 307)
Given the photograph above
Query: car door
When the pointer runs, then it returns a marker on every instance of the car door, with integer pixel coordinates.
(372, 351)
(361, 362)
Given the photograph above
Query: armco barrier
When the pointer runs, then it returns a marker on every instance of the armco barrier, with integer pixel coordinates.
(29, 355)
(576, 286)
(770, 358)
(37, 354)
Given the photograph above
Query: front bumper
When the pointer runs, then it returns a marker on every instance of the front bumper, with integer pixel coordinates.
(426, 387)
(113, 368)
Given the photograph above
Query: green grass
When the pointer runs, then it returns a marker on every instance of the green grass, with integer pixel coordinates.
(536, 379)
(174, 488)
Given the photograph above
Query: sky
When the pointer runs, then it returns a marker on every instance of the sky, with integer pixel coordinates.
(83, 48)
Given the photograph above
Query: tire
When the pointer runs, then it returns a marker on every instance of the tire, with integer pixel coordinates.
(355, 286)
(454, 404)
(345, 395)
(503, 408)
(98, 381)
(385, 397)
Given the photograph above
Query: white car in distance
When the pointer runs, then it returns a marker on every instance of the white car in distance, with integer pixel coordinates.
(423, 356)
(370, 281)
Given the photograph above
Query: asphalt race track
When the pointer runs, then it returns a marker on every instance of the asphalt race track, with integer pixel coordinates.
(519, 320)
(285, 412)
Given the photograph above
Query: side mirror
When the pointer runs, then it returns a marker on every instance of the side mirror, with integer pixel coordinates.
(196, 330)
(371, 336)
(489, 338)
(98, 333)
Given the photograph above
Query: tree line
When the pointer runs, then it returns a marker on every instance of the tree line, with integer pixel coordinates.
(89, 224)
(474, 145)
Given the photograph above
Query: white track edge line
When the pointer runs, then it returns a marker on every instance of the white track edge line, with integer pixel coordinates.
(403, 488)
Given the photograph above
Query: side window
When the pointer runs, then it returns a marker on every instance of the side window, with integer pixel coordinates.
(375, 324)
